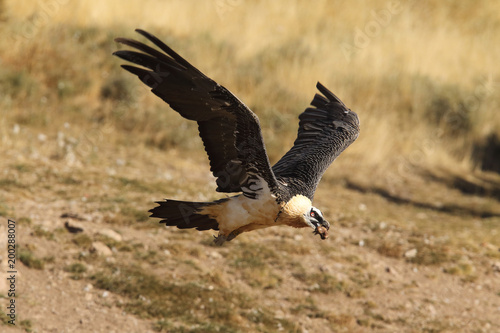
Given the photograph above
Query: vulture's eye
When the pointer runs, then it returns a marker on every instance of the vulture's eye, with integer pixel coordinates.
(313, 214)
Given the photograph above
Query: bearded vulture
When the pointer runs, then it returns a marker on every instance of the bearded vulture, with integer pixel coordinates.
(268, 195)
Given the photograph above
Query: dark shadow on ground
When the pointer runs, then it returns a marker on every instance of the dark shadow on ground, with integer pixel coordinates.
(481, 186)
(445, 208)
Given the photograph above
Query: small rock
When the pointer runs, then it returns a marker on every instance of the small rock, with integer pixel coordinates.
(74, 216)
(101, 249)
(111, 260)
(279, 314)
(362, 207)
(111, 234)
(394, 273)
(390, 270)
(73, 228)
(313, 287)
(324, 269)
(432, 310)
(215, 255)
(105, 294)
(42, 137)
(411, 253)
(496, 266)
(421, 216)
(490, 247)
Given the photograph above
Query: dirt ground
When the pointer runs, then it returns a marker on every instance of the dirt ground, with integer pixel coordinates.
(387, 267)
(86, 149)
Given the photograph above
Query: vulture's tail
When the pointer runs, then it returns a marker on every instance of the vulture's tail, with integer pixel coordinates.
(184, 214)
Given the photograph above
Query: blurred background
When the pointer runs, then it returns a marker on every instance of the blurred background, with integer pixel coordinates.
(423, 78)
(80, 136)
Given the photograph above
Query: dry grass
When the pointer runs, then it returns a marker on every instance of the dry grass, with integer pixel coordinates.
(429, 101)
(78, 134)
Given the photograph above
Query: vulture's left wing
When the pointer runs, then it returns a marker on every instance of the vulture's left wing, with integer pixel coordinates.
(229, 129)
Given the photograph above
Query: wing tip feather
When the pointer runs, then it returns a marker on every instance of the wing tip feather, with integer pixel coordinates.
(328, 94)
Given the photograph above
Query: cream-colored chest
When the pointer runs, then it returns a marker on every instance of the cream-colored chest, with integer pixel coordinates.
(240, 211)
(292, 213)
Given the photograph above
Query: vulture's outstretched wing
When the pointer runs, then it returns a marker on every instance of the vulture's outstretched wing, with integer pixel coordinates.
(324, 132)
(230, 130)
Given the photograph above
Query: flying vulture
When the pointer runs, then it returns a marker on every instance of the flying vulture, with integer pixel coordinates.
(268, 195)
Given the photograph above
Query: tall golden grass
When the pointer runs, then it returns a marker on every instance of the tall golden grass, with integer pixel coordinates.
(422, 75)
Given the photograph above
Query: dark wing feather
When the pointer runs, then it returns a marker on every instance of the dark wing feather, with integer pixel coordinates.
(324, 132)
(230, 131)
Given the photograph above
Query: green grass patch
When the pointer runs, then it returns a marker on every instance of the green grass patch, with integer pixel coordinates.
(134, 214)
(4, 210)
(22, 167)
(309, 307)
(166, 326)
(390, 249)
(30, 260)
(23, 220)
(10, 183)
(151, 257)
(39, 231)
(70, 180)
(252, 255)
(77, 269)
(27, 325)
(266, 322)
(190, 302)
(258, 264)
(82, 240)
(130, 184)
(432, 255)
(151, 297)
(4, 319)
(320, 282)
(127, 215)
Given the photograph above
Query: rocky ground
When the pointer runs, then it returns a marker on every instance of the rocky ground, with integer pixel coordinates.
(388, 266)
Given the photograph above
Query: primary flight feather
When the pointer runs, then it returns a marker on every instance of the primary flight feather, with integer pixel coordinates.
(230, 131)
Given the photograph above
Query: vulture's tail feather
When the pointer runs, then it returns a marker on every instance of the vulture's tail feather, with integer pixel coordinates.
(184, 214)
